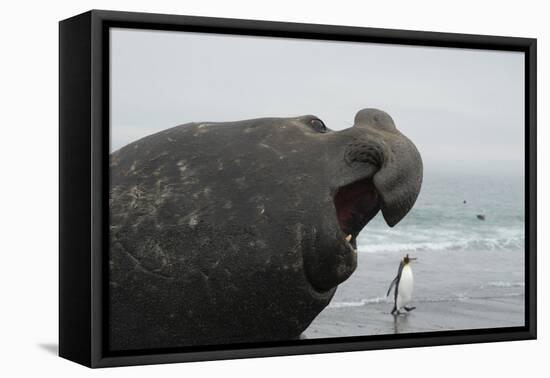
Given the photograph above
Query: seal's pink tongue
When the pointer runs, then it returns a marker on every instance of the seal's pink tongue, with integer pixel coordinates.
(356, 204)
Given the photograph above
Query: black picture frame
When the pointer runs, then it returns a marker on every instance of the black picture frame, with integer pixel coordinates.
(83, 181)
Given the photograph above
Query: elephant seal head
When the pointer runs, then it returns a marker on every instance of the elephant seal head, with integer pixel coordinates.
(241, 231)
(379, 169)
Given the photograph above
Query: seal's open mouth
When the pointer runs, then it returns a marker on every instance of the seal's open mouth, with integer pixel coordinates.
(356, 204)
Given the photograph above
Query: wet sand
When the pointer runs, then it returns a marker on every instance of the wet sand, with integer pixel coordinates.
(375, 319)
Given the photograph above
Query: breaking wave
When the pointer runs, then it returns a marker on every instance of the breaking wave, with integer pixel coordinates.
(485, 244)
(358, 303)
(455, 298)
(505, 284)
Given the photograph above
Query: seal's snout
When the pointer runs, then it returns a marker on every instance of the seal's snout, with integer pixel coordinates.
(374, 119)
(399, 166)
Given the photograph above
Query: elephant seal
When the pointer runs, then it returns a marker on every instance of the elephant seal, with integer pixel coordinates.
(241, 231)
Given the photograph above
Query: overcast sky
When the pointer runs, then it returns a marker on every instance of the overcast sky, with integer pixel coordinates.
(462, 108)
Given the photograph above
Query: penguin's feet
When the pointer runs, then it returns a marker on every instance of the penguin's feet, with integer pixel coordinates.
(395, 312)
(409, 309)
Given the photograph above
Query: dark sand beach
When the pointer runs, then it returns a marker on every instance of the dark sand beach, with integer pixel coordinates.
(451, 292)
(375, 319)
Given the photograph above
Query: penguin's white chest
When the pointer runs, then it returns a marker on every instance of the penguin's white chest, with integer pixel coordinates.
(405, 288)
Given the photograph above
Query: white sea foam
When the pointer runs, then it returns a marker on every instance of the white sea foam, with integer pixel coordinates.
(505, 284)
(454, 298)
(358, 303)
(485, 244)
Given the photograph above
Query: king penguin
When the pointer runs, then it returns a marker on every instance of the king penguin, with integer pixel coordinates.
(403, 283)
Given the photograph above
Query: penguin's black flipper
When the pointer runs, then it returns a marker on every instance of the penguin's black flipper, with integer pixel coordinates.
(391, 285)
(395, 283)
(397, 278)
(409, 309)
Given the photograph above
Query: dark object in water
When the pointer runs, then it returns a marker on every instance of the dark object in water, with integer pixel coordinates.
(464, 201)
(481, 217)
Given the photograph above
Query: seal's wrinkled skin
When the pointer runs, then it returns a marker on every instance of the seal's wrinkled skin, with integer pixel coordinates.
(241, 231)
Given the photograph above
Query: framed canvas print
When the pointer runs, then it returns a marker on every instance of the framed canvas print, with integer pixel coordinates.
(234, 188)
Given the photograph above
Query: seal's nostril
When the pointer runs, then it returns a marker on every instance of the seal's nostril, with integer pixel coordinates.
(362, 152)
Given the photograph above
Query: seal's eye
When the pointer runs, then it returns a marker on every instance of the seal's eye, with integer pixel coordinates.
(318, 125)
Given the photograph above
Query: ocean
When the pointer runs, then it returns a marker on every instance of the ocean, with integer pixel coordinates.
(462, 260)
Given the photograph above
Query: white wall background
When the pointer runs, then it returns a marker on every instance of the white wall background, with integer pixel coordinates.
(29, 186)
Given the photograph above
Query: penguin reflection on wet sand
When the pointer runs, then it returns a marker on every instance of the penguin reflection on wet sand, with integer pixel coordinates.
(404, 283)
